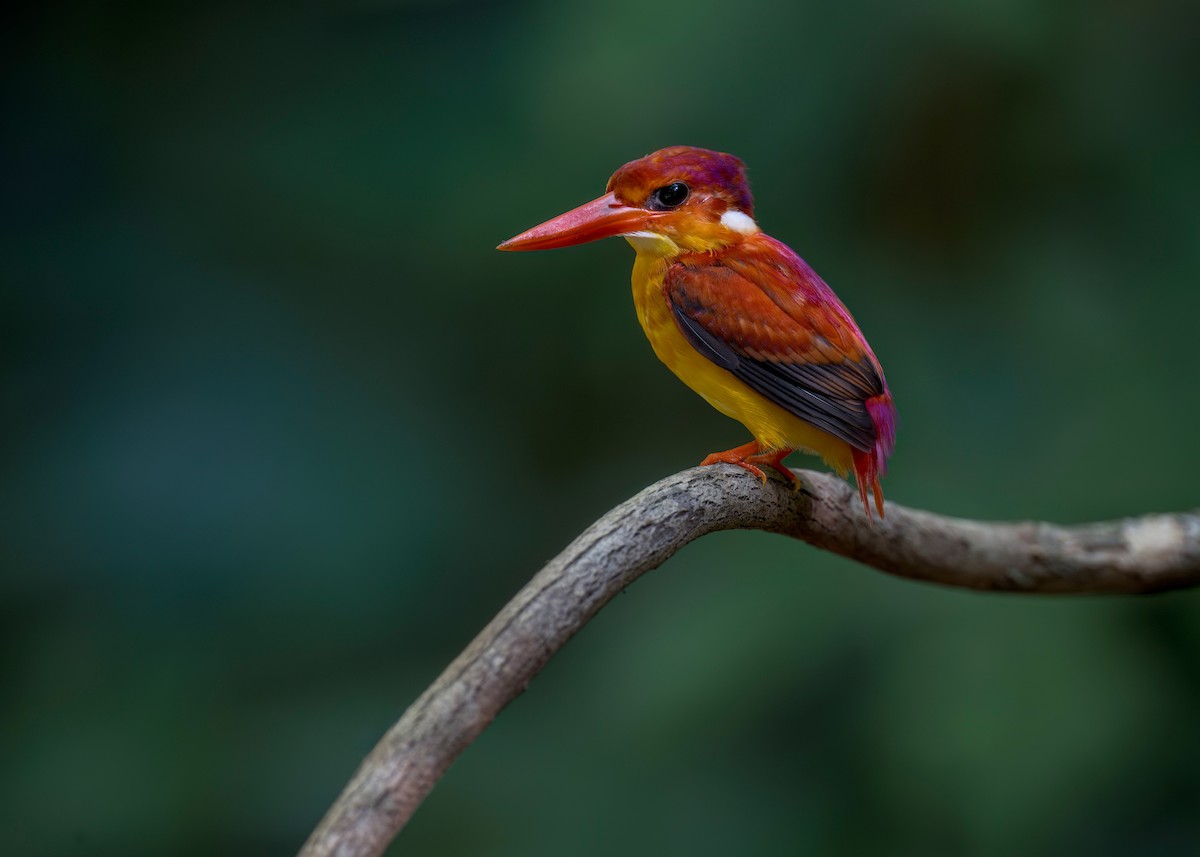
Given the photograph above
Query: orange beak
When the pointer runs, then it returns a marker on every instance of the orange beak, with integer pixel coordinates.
(600, 218)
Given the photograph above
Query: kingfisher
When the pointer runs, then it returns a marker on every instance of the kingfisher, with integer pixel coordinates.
(738, 316)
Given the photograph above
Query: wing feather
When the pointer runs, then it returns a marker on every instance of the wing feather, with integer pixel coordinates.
(791, 342)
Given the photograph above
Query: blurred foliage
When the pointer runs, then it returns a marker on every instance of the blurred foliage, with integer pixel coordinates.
(282, 431)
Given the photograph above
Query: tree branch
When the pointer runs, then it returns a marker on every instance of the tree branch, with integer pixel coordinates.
(1146, 554)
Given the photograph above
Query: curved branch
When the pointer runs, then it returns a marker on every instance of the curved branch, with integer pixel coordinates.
(1146, 554)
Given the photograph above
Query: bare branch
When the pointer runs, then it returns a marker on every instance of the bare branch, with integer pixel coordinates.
(1146, 554)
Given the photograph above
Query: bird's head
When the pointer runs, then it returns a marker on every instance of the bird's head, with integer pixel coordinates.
(680, 199)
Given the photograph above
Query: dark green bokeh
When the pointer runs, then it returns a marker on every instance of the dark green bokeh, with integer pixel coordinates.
(282, 430)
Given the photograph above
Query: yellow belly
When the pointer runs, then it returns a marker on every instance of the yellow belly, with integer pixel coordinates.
(771, 425)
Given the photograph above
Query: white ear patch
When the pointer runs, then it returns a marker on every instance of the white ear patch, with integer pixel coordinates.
(739, 221)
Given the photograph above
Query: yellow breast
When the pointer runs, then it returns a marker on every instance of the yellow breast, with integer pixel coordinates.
(772, 426)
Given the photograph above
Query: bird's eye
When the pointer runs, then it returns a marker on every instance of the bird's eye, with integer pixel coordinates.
(669, 196)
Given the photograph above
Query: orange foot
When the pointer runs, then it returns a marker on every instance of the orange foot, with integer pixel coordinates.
(750, 455)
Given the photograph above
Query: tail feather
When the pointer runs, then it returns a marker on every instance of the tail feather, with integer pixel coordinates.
(870, 465)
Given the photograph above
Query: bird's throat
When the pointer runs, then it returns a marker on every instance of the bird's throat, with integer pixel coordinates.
(653, 244)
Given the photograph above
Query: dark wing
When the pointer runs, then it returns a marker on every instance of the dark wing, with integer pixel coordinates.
(796, 347)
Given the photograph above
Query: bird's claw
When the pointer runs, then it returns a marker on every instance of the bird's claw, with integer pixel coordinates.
(748, 456)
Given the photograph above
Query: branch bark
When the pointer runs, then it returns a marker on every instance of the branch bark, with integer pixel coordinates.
(1134, 555)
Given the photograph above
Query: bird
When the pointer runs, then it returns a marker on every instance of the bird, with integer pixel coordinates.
(738, 316)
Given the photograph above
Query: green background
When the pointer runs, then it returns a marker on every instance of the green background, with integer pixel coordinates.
(282, 431)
